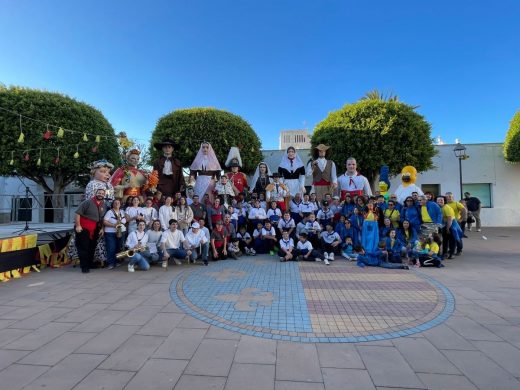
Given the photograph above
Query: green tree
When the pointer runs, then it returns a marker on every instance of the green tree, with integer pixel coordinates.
(189, 127)
(377, 132)
(512, 142)
(41, 159)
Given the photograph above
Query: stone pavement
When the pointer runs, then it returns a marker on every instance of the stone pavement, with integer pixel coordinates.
(61, 329)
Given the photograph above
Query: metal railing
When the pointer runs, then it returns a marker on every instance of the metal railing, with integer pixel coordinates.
(42, 208)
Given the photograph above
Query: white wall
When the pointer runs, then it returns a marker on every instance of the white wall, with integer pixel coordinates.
(486, 164)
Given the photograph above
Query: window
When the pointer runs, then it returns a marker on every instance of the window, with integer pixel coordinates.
(481, 191)
(434, 188)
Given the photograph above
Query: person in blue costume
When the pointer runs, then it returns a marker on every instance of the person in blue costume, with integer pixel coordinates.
(356, 221)
(385, 229)
(370, 231)
(348, 207)
(411, 213)
(408, 237)
(394, 247)
(378, 258)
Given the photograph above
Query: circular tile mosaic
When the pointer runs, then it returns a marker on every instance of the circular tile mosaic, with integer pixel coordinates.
(311, 302)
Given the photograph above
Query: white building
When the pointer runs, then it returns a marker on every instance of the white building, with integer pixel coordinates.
(299, 139)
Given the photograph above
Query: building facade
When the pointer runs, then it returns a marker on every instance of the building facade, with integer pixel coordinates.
(300, 139)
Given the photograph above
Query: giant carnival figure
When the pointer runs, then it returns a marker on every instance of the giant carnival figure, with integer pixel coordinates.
(408, 186)
(168, 168)
(261, 178)
(128, 180)
(100, 178)
(323, 173)
(384, 182)
(293, 172)
(237, 178)
(353, 183)
(205, 170)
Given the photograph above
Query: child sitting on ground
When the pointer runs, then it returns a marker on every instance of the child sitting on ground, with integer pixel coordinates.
(305, 251)
(286, 247)
(347, 249)
(245, 241)
(233, 249)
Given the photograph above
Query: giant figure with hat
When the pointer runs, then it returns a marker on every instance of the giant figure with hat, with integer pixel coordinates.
(323, 173)
(169, 168)
(237, 178)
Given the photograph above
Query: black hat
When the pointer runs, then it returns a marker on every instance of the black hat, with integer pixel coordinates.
(234, 163)
(276, 174)
(164, 142)
(325, 203)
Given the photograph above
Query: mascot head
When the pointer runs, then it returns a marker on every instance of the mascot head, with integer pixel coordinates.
(408, 175)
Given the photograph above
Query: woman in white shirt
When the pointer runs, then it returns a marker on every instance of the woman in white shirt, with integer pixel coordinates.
(134, 214)
(184, 215)
(149, 213)
(166, 213)
(136, 240)
(152, 254)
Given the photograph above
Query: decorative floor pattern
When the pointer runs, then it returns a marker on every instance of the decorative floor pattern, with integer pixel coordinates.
(310, 302)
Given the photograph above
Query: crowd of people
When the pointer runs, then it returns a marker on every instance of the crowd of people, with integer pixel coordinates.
(222, 216)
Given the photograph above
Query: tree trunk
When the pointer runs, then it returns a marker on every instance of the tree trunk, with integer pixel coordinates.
(58, 200)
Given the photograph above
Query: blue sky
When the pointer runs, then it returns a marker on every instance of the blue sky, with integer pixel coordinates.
(278, 64)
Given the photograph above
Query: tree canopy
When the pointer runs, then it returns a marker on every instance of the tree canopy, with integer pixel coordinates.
(512, 142)
(377, 132)
(189, 127)
(55, 137)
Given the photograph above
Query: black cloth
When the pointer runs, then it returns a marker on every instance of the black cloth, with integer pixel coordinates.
(169, 184)
(472, 203)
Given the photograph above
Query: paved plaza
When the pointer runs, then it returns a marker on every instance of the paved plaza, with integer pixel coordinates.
(257, 323)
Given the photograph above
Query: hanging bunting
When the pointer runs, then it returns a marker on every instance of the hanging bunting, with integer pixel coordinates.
(39, 162)
(48, 134)
(61, 132)
(57, 159)
(85, 138)
(21, 137)
(76, 155)
(98, 139)
(12, 158)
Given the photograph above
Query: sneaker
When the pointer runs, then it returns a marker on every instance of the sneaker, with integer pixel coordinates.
(252, 252)
(165, 264)
(131, 268)
(479, 230)
(271, 253)
(317, 259)
(111, 267)
(282, 259)
(326, 262)
(177, 262)
(331, 257)
(206, 262)
(406, 267)
(469, 229)
(248, 252)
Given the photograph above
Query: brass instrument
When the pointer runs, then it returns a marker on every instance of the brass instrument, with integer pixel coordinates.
(119, 225)
(130, 252)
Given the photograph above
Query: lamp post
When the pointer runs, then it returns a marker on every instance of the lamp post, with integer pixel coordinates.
(460, 153)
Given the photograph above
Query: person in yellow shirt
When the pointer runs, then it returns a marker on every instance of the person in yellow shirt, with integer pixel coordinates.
(429, 255)
(451, 232)
(459, 210)
(393, 214)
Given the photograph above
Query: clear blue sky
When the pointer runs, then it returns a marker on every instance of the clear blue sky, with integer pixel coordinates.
(278, 64)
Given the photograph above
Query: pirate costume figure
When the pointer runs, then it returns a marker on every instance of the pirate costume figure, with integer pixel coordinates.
(168, 168)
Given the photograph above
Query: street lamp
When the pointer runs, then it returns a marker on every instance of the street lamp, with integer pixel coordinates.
(460, 153)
